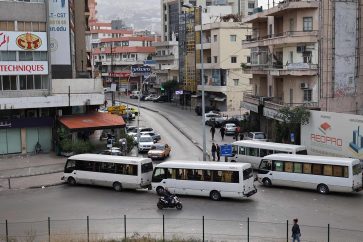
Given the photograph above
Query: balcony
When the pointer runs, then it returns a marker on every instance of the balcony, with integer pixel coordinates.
(212, 88)
(280, 39)
(206, 46)
(277, 104)
(293, 69)
(286, 6)
(207, 66)
(164, 57)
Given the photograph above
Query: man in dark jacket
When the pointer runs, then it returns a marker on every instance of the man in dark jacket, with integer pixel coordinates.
(213, 150)
(296, 231)
(212, 130)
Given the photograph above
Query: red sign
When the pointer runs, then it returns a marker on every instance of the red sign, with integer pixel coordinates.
(119, 74)
(28, 41)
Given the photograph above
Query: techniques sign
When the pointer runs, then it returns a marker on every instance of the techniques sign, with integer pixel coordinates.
(60, 44)
(23, 41)
(333, 134)
(24, 68)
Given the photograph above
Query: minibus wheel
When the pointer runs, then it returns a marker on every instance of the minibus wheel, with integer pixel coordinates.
(323, 189)
(117, 186)
(159, 190)
(215, 195)
(267, 182)
(71, 181)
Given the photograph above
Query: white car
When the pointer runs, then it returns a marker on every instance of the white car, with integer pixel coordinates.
(259, 136)
(151, 97)
(145, 143)
(230, 128)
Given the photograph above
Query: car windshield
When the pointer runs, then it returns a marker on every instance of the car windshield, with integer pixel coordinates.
(357, 169)
(146, 139)
(260, 136)
(158, 147)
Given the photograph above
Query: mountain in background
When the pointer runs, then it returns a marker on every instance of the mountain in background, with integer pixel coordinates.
(140, 14)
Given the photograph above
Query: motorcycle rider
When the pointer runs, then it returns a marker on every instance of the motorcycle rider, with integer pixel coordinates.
(169, 197)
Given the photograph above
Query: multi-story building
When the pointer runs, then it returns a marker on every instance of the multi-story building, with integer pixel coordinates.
(36, 71)
(180, 22)
(114, 55)
(224, 79)
(304, 53)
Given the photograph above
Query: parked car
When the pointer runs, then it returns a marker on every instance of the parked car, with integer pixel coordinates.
(215, 119)
(153, 134)
(112, 151)
(260, 136)
(151, 97)
(198, 110)
(235, 121)
(145, 143)
(131, 128)
(135, 94)
(162, 98)
(159, 151)
(231, 128)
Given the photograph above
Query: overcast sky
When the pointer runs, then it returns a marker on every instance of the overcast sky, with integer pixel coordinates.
(142, 14)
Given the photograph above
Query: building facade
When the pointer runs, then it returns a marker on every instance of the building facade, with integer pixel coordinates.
(224, 80)
(303, 56)
(31, 97)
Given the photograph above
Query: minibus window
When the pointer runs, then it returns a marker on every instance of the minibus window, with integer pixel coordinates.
(302, 152)
(247, 174)
(70, 166)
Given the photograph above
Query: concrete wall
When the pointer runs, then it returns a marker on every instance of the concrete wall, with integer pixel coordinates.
(60, 86)
(18, 11)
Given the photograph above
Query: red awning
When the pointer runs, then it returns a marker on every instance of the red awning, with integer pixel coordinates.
(93, 121)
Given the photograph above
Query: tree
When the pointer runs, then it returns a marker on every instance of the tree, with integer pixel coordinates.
(170, 87)
(292, 119)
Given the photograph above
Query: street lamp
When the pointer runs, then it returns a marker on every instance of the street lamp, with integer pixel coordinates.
(189, 5)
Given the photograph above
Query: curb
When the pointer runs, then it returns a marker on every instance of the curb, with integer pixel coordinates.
(48, 185)
(172, 123)
(34, 174)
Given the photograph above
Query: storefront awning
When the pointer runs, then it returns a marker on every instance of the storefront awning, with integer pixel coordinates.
(92, 121)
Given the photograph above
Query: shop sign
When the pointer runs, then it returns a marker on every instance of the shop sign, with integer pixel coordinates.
(119, 74)
(249, 106)
(23, 41)
(24, 68)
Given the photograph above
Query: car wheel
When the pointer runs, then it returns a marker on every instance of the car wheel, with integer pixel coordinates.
(323, 189)
(117, 186)
(215, 195)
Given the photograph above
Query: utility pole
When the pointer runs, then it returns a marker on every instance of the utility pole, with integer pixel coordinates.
(112, 92)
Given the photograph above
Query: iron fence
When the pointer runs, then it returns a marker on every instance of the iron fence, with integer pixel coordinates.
(166, 228)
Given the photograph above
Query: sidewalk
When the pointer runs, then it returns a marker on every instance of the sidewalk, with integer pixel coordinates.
(25, 171)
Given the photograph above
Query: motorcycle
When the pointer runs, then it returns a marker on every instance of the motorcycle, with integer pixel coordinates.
(174, 203)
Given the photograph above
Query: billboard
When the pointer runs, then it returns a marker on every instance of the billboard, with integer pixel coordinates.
(141, 70)
(23, 41)
(59, 32)
(333, 134)
(24, 68)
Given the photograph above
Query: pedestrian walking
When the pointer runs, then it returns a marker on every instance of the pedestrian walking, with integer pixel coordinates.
(296, 231)
(236, 133)
(105, 103)
(222, 130)
(218, 151)
(213, 131)
(214, 149)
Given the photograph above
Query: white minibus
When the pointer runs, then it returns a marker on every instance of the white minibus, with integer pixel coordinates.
(118, 172)
(212, 179)
(320, 173)
(251, 151)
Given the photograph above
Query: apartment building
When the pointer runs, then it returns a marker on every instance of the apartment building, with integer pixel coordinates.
(304, 54)
(224, 80)
(36, 73)
(114, 55)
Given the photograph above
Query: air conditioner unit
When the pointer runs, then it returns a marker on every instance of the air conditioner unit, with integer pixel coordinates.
(300, 48)
(304, 85)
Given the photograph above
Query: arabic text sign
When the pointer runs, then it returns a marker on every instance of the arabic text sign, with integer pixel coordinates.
(59, 32)
(23, 41)
(226, 150)
(24, 68)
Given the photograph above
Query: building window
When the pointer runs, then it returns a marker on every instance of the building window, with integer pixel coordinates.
(248, 59)
(269, 90)
(308, 24)
(250, 13)
(7, 25)
(251, 5)
(233, 38)
(8, 83)
(31, 26)
(308, 95)
(215, 59)
(233, 59)
(215, 38)
(291, 95)
(307, 56)
(7, 55)
(235, 81)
